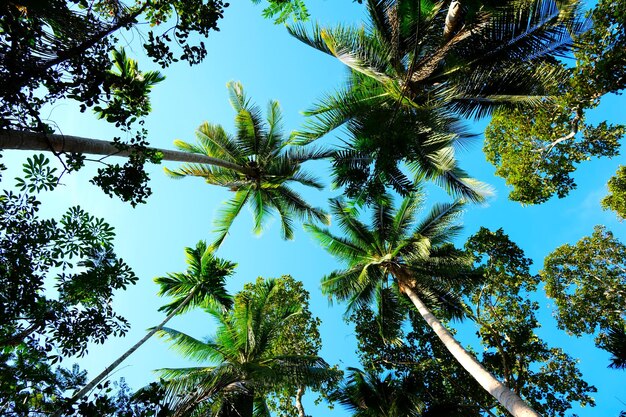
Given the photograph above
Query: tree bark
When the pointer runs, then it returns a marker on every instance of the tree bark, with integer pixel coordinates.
(452, 19)
(509, 400)
(21, 140)
(299, 405)
(82, 392)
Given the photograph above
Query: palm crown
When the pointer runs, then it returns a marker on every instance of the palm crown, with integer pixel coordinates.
(246, 365)
(397, 250)
(258, 164)
(414, 259)
(417, 61)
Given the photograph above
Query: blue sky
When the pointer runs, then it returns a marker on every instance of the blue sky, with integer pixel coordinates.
(272, 65)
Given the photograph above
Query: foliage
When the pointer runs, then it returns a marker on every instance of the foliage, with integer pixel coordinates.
(616, 200)
(588, 284)
(502, 308)
(60, 49)
(259, 164)
(615, 343)
(248, 363)
(396, 250)
(537, 152)
(57, 280)
(530, 152)
(408, 72)
(367, 394)
(205, 277)
(444, 388)
(299, 337)
(282, 10)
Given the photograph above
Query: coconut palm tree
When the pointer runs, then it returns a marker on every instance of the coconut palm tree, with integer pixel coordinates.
(418, 57)
(615, 343)
(244, 366)
(258, 164)
(367, 394)
(416, 260)
(202, 285)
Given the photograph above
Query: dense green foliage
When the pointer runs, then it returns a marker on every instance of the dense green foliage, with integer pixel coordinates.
(250, 354)
(588, 284)
(507, 322)
(537, 152)
(413, 76)
(616, 199)
(57, 281)
(417, 70)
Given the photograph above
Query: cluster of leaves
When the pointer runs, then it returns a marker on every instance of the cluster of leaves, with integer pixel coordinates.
(57, 280)
(616, 200)
(64, 49)
(129, 181)
(536, 152)
(588, 284)
(535, 155)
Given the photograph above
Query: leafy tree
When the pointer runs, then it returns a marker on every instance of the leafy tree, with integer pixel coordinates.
(616, 200)
(505, 314)
(248, 362)
(415, 260)
(588, 284)
(417, 66)
(57, 281)
(258, 164)
(299, 337)
(537, 152)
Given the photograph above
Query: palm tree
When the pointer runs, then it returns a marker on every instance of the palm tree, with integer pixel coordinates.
(416, 260)
(366, 394)
(202, 285)
(615, 343)
(416, 57)
(245, 367)
(258, 164)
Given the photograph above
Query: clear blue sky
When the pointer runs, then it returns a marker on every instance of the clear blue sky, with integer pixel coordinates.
(272, 65)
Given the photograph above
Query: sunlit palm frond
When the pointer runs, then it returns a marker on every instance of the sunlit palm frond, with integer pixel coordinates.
(227, 215)
(190, 347)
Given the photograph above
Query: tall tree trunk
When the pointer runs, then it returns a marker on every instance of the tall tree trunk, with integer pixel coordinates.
(21, 140)
(82, 392)
(299, 406)
(509, 400)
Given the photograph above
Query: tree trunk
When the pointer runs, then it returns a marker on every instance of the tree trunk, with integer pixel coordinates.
(299, 405)
(82, 392)
(509, 400)
(452, 19)
(21, 140)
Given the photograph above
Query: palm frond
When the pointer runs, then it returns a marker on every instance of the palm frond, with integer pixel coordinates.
(227, 215)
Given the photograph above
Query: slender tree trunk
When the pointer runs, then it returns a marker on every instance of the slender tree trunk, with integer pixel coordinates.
(82, 392)
(509, 400)
(21, 140)
(299, 406)
(453, 19)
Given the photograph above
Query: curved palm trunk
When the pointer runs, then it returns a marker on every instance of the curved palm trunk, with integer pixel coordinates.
(16, 139)
(82, 392)
(509, 400)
